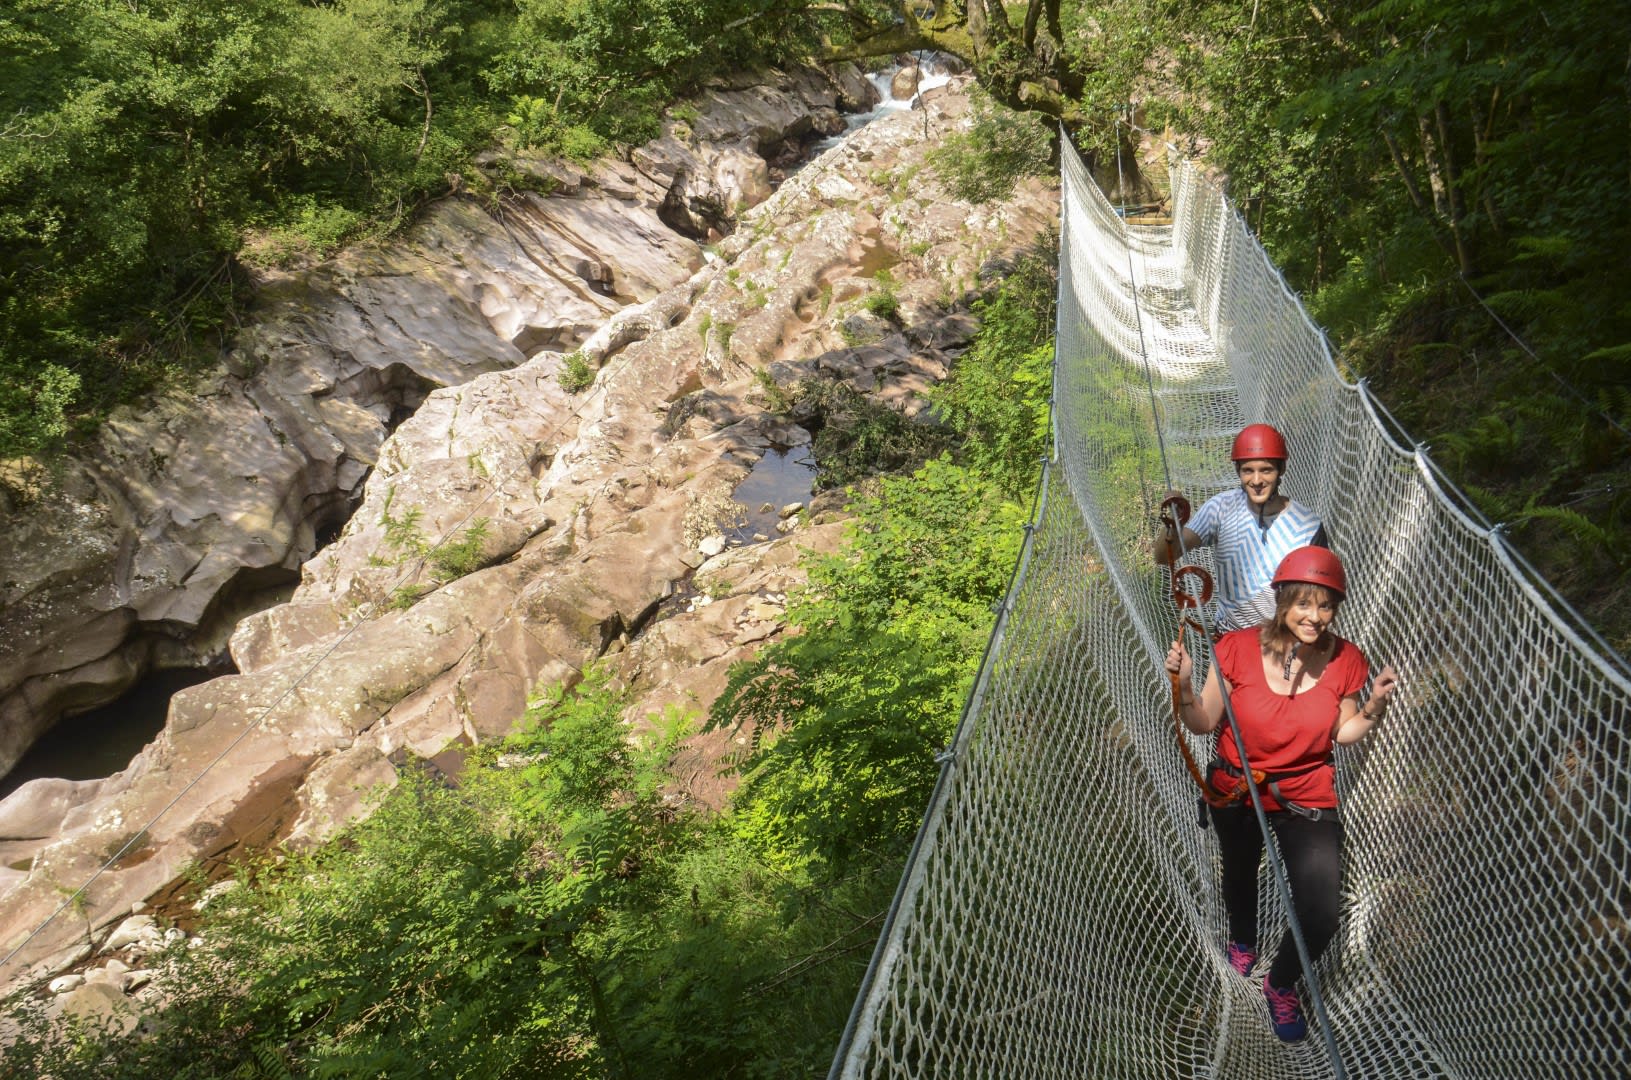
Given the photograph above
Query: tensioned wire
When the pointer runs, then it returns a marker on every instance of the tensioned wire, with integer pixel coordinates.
(1063, 921)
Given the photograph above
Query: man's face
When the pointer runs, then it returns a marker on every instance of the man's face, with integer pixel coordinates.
(1258, 477)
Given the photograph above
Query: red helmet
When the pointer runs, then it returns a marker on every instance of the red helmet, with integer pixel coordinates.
(1258, 441)
(1313, 566)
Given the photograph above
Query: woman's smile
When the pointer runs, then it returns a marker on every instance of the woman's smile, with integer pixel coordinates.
(1309, 618)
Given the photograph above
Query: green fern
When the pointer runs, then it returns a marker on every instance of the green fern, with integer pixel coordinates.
(466, 555)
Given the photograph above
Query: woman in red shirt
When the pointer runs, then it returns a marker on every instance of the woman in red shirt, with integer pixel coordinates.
(1294, 688)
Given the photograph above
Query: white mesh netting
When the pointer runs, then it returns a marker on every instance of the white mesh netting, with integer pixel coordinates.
(1060, 915)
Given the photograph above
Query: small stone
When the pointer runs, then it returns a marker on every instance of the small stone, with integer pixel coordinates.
(136, 930)
(712, 546)
(218, 889)
(766, 508)
(113, 972)
(64, 983)
(791, 508)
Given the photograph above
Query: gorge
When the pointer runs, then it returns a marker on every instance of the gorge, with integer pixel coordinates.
(588, 523)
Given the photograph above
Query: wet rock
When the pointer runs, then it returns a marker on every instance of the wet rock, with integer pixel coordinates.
(905, 83)
(138, 929)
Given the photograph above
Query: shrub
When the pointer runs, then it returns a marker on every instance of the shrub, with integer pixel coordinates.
(1003, 147)
(575, 375)
(885, 305)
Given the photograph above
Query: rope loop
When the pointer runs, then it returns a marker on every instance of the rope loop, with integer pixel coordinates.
(1183, 597)
(1180, 511)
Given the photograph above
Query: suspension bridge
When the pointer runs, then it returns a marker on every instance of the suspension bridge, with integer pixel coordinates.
(1059, 915)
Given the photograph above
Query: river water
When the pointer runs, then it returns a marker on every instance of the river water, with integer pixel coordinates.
(102, 741)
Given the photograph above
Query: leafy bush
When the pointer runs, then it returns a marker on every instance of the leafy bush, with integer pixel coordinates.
(453, 559)
(856, 436)
(892, 630)
(560, 913)
(883, 303)
(575, 374)
(997, 394)
(1001, 149)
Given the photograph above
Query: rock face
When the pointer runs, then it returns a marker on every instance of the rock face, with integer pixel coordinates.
(511, 532)
(193, 509)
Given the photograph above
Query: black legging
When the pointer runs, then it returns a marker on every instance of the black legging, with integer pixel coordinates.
(1312, 854)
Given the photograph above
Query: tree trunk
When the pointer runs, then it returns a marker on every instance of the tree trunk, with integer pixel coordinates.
(1435, 175)
(1482, 130)
(423, 90)
(1410, 186)
(1452, 184)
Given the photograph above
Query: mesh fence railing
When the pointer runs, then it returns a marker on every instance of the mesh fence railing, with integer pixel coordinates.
(1060, 917)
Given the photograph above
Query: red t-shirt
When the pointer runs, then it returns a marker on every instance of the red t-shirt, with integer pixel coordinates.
(1287, 734)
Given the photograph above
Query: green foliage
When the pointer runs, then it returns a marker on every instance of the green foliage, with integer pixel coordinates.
(997, 395)
(850, 713)
(575, 375)
(150, 151)
(884, 303)
(1391, 155)
(776, 399)
(33, 406)
(1001, 149)
(856, 436)
(560, 913)
(146, 144)
(607, 67)
(452, 559)
(402, 534)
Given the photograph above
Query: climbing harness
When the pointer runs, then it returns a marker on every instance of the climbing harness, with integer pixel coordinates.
(1271, 783)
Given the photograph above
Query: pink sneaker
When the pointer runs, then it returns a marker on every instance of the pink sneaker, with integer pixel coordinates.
(1285, 1012)
(1241, 957)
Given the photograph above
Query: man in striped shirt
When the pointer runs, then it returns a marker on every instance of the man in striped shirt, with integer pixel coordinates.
(1250, 529)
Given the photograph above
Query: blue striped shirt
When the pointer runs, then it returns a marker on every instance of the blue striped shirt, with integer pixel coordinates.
(1246, 556)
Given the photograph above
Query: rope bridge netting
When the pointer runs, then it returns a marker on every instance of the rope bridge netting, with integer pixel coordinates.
(1059, 916)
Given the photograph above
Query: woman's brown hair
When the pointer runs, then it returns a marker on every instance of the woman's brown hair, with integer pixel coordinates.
(1274, 635)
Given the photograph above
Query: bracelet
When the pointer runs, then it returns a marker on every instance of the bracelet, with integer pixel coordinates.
(1372, 717)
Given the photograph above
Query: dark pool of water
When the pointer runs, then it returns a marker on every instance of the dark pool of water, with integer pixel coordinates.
(780, 477)
(102, 742)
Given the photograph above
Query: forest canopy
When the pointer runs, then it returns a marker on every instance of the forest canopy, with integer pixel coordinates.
(149, 152)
